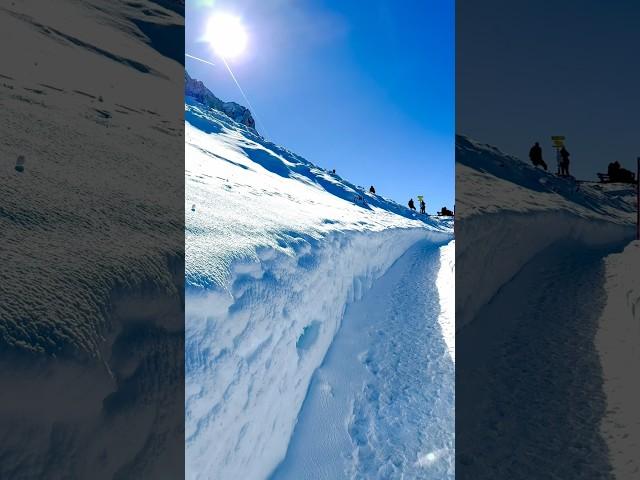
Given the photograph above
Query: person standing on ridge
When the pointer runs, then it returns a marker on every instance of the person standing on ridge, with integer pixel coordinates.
(411, 204)
(423, 207)
(372, 190)
(535, 155)
(564, 162)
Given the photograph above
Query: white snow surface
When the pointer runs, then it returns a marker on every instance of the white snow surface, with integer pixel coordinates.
(501, 198)
(539, 290)
(79, 89)
(382, 403)
(618, 343)
(276, 250)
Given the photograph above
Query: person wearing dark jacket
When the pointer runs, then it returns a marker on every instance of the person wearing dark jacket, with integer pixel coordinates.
(564, 162)
(372, 190)
(411, 204)
(423, 207)
(535, 155)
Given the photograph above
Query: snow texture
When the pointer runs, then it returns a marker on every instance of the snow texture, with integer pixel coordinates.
(382, 403)
(539, 290)
(525, 210)
(618, 343)
(277, 248)
(93, 369)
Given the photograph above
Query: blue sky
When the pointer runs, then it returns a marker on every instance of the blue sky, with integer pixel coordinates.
(366, 88)
(528, 70)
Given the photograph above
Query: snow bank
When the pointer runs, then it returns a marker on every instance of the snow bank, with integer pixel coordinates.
(276, 247)
(618, 343)
(250, 352)
(508, 211)
(446, 284)
(91, 275)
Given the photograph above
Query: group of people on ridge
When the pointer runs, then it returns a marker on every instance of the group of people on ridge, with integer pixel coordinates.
(423, 206)
(535, 155)
(618, 174)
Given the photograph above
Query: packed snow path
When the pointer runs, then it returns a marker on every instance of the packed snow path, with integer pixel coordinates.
(382, 404)
(538, 373)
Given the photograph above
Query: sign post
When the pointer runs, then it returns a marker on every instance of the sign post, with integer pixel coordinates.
(558, 143)
(638, 199)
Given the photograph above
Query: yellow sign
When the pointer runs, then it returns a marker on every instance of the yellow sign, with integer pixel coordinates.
(558, 140)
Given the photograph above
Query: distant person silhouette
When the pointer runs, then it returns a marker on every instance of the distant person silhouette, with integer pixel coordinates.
(564, 162)
(423, 207)
(535, 155)
(372, 190)
(411, 204)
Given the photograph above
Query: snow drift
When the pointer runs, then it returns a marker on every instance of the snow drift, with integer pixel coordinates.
(617, 342)
(532, 306)
(276, 249)
(508, 211)
(93, 370)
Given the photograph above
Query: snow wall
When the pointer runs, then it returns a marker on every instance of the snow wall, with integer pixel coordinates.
(617, 342)
(252, 348)
(509, 211)
(504, 242)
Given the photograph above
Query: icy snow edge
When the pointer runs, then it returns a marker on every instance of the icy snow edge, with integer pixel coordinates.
(251, 351)
(617, 342)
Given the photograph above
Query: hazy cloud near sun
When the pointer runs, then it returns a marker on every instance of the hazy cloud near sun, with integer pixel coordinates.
(279, 26)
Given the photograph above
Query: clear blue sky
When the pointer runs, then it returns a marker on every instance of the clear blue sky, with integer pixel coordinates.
(366, 88)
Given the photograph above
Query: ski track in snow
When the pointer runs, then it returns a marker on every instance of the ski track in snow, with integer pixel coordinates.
(543, 359)
(382, 403)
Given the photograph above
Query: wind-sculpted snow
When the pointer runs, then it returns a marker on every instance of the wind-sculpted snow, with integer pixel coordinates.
(276, 248)
(534, 300)
(381, 405)
(250, 193)
(78, 182)
(91, 253)
(509, 210)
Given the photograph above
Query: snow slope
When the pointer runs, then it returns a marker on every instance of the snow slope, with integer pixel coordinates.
(382, 403)
(524, 209)
(276, 248)
(89, 397)
(543, 321)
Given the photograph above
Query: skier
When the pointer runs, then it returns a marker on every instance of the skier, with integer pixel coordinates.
(564, 162)
(372, 190)
(535, 155)
(411, 204)
(423, 207)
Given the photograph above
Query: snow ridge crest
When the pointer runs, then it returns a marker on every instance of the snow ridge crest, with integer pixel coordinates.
(196, 89)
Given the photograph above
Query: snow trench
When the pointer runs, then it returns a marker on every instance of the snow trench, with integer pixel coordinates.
(492, 248)
(252, 347)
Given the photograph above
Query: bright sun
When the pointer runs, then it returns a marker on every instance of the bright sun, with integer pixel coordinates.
(227, 35)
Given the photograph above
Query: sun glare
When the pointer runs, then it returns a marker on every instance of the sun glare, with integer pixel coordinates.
(227, 35)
